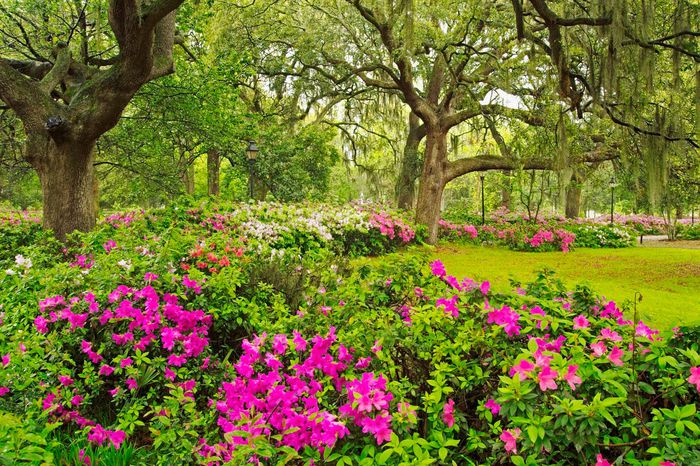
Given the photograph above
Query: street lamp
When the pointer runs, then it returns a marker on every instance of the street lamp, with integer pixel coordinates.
(251, 154)
(613, 183)
(483, 204)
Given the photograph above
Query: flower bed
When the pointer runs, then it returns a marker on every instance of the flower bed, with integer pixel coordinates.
(199, 335)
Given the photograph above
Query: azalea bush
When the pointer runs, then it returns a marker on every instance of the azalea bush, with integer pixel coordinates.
(519, 237)
(602, 236)
(198, 334)
(538, 375)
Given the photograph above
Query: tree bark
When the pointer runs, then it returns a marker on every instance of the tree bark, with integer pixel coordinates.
(213, 169)
(573, 199)
(69, 187)
(410, 164)
(432, 182)
(187, 177)
(506, 190)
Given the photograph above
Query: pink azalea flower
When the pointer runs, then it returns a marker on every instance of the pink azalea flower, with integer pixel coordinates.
(571, 378)
(126, 362)
(695, 377)
(581, 322)
(600, 461)
(509, 438)
(448, 413)
(84, 458)
(507, 318)
(279, 344)
(493, 406)
(667, 463)
(484, 288)
(598, 348)
(615, 355)
(6, 360)
(131, 384)
(169, 374)
(363, 363)
(4, 391)
(105, 370)
(609, 334)
(449, 305)
(523, 368)
(438, 268)
(299, 342)
(65, 380)
(76, 400)
(546, 378)
(377, 347)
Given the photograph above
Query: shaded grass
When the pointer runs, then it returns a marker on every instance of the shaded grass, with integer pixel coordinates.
(668, 279)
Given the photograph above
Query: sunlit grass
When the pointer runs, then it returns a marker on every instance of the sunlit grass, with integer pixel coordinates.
(668, 279)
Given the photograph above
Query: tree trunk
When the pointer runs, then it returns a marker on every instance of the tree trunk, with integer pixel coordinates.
(213, 169)
(69, 187)
(410, 166)
(432, 182)
(506, 190)
(187, 177)
(573, 199)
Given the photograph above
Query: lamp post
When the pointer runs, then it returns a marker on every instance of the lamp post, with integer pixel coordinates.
(251, 154)
(613, 183)
(483, 203)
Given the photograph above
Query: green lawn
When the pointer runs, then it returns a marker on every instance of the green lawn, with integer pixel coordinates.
(668, 279)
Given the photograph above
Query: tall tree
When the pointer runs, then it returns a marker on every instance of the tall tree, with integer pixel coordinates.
(69, 92)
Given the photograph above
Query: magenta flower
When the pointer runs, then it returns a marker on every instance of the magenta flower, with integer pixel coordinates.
(4, 391)
(131, 384)
(84, 458)
(377, 347)
(448, 413)
(695, 377)
(76, 400)
(581, 322)
(299, 342)
(546, 378)
(169, 374)
(571, 378)
(6, 360)
(65, 380)
(506, 318)
(493, 406)
(609, 334)
(615, 355)
(599, 349)
(438, 268)
(449, 305)
(126, 362)
(485, 286)
(509, 438)
(363, 363)
(279, 344)
(600, 461)
(667, 463)
(522, 369)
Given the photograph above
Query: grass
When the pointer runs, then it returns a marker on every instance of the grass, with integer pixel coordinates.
(668, 279)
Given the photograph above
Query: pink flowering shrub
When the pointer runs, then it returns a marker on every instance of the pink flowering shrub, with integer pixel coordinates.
(134, 344)
(521, 237)
(201, 334)
(541, 372)
(280, 389)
